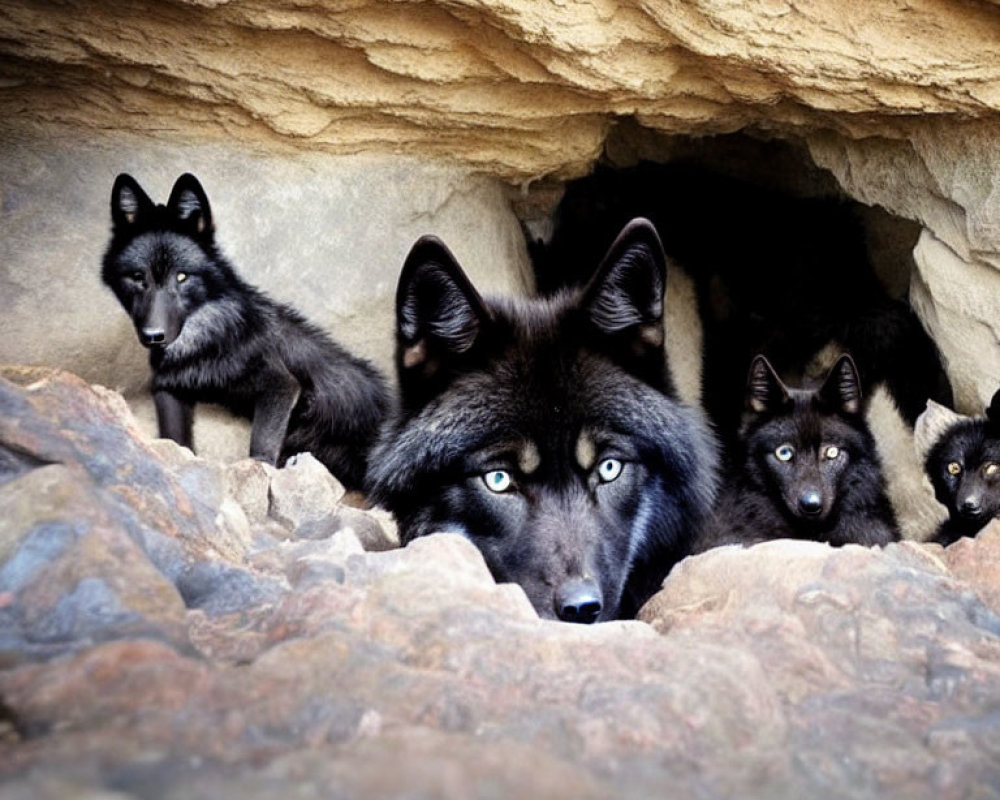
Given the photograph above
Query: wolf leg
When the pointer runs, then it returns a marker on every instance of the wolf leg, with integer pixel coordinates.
(271, 414)
(174, 417)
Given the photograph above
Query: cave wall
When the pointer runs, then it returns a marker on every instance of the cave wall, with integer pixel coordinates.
(330, 135)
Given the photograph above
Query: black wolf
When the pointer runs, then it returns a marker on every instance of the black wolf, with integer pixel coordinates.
(775, 274)
(806, 466)
(546, 431)
(964, 468)
(213, 338)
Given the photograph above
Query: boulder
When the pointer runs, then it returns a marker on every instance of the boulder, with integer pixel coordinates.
(282, 664)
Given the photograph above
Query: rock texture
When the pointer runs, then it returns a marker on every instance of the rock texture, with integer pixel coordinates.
(168, 630)
(946, 176)
(296, 115)
(326, 234)
(517, 89)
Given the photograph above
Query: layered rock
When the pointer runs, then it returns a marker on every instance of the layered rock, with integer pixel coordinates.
(516, 89)
(168, 630)
(296, 117)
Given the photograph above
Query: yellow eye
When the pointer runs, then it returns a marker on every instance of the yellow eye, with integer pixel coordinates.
(181, 277)
(991, 468)
(954, 468)
(784, 453)
(831, 452)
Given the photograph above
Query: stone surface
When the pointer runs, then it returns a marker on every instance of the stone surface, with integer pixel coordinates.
(198, 663)
(518, 89)
(106, 534)
(330, 135)
(327, 234)
(946, 176)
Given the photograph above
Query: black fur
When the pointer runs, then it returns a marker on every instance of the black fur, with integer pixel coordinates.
(774, 274)
(806, 467)
(970, 490)
(214, 338)
(546, 431)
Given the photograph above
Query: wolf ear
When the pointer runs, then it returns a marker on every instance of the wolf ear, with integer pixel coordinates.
(626, 293)
(933, 423)
(188, 204)
(842, 388)
(766, 394)
(993, 410)
(128, 201)
(438, 311)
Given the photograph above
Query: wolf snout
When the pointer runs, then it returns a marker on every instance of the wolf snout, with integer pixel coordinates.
(971, 506)
(578, 600)
(151, 336)
(811, 503)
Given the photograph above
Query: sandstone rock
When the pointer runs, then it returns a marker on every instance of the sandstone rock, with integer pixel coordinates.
(944, 176)
(70, 574)
(108, 536)
(515, 89)
(327, 234)
(338, 134)
(312, 666)
(977, 562)
(304, 497)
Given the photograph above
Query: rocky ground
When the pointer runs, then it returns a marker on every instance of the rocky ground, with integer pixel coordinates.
(176, 628)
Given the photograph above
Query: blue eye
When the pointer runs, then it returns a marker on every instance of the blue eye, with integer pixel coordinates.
(498, 480)
(609, 469)
(784, 453)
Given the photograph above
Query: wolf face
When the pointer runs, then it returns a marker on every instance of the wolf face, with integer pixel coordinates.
(964, 468)
(545, 430)
(806, 468)
(161, 269)
(801, 441)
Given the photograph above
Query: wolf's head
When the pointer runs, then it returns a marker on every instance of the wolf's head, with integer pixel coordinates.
(801, 443)
(161, 262)
(544, 430)
(963, 461)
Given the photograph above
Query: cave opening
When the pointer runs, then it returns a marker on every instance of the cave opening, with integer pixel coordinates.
(774, 256)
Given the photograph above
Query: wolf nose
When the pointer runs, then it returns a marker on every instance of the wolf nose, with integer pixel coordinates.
(152, 336)
(810, 503)
(578, 600)
(971, 506)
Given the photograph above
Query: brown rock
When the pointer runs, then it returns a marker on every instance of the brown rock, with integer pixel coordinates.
(70, 573)
(977, 562)
(305, 498)
(517, 89)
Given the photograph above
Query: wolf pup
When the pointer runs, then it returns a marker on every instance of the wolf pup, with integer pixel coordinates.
(546, 431)
(214, 338)
(806, 466)
(963, 464)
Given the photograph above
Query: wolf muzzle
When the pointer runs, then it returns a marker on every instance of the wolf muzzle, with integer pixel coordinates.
(578, 600)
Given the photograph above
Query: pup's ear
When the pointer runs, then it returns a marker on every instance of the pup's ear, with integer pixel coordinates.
(993, 410)
(188, 204)
(439, 314)
(842, 388)
(129, 203)
(766, 394)
(933, 423)
(625, 296)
